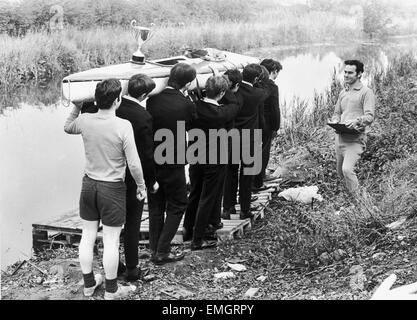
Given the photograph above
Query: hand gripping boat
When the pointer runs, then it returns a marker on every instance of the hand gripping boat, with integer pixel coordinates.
(80, 87)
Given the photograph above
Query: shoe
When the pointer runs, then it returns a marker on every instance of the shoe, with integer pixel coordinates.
(270, 177)
(202, 244)
(88, 292)
(187, 235)
(121, 269)
(261, 188)
(217, 226)
(162, 259)
(246, 215)
(122, 292)
(253, 198)
(133, 275)
(227, 212)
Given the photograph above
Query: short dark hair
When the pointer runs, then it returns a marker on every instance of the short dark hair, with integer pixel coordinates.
(264, 75)
(251, 71)
(107, 91)
(358, 64)
(181, 74)
(140, 84)
(271, 65)
(234, 76)
(216, 85)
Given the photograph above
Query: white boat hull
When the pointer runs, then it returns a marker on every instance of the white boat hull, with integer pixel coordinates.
(80, 87)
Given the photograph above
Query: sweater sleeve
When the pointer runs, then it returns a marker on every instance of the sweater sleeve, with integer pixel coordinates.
(368, 109)
(73, 123)
(132, 156)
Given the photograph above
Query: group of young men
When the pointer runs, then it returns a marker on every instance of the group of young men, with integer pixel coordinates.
(123, 130)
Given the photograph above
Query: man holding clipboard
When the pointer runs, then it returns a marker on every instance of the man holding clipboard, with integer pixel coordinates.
(354, 112)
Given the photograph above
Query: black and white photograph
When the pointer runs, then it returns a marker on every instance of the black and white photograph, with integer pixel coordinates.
(207, 157)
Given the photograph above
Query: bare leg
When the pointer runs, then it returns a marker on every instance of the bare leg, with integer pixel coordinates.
(86, 248)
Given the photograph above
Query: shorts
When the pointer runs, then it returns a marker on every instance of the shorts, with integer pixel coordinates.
(103, 200)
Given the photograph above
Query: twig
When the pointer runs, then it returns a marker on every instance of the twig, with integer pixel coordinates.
(39, 269)
(18, 267)
(169, 294)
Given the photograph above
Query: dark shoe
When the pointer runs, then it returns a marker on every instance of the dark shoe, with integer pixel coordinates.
(187, 235)
(253, 198)
(133, 275)
(121, 268)
(167, 258)
(261, 188)
(246, 215)
(202, 244)
(227, 212)
(217, 226)
(270, 178)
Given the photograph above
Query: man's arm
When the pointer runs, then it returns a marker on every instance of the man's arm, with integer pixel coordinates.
(145, 146)
(72, 125)
(132, 156)
(368, 109)
(230, 107)
(274, 107)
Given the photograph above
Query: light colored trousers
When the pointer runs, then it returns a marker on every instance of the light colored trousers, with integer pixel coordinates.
(349, 148)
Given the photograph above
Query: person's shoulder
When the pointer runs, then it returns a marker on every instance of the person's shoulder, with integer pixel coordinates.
(122, 123)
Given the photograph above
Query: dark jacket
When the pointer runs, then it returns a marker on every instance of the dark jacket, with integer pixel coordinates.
(211, 116)
(272, 113)
(248, 117)
(141, 122)
(166, 109)
(231, 98)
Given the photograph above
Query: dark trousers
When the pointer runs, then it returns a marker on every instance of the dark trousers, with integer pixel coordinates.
(205, 198)
(171, 199)
(266, 149)
(232, 180)
(134, 209)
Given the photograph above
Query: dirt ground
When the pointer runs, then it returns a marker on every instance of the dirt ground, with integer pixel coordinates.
(194, 277)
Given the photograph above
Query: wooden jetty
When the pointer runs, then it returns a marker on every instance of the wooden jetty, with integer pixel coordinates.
(66, 229)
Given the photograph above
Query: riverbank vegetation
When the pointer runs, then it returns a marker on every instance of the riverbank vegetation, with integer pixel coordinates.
(97, 33)
(341, 248)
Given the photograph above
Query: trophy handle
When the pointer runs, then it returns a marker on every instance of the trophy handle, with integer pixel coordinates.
(133, 23)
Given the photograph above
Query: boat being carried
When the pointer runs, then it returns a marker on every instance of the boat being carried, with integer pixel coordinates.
(80, 87)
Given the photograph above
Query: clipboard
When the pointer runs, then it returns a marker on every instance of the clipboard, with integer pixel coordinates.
(340, 127)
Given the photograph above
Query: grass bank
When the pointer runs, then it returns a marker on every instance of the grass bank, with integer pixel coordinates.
(41, 56)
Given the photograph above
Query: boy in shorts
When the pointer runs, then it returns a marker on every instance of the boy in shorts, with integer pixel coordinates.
(109, 143)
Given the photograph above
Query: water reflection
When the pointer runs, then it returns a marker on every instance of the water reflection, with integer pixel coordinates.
(41, 166)
(41, 169)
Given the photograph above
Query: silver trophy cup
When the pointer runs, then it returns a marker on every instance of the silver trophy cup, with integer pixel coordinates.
(142, 35)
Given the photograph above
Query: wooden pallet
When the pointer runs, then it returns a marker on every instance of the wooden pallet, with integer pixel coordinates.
(67, 230)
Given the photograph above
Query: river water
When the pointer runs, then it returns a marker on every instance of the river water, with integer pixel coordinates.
(41, 167)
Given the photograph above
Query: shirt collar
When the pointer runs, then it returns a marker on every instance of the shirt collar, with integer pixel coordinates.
(248, 83)
(357, 86)
(134, 100)
(106, 112)
(211, 101)
(183, 93)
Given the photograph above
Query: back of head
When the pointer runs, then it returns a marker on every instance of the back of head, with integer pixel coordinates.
(140, 84)
(263, 78)
(234, 76)
(251, 72)
(181, 74)
(271, 65)
(107, 91)
(358, 64)
(216, 85)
